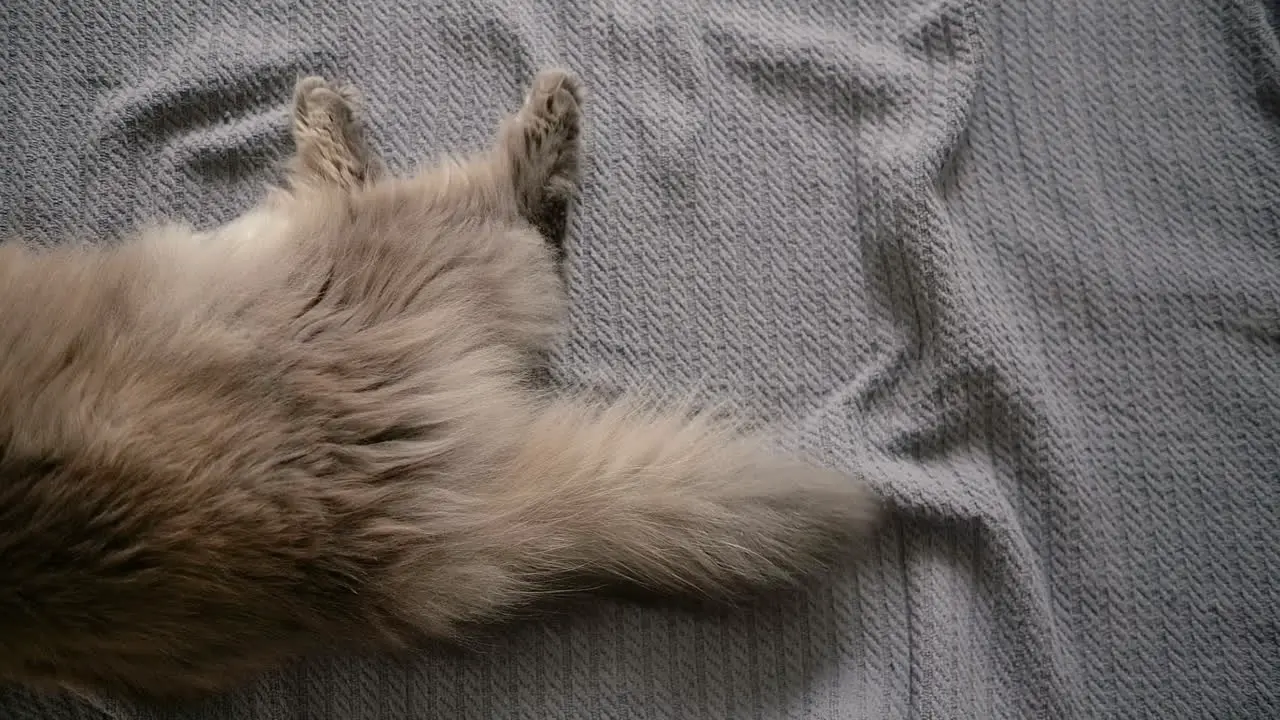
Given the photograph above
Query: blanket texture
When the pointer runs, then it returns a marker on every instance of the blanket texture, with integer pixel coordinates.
(1018, 263)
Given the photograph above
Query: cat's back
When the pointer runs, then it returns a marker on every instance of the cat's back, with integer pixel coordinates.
(96, 338)
(159, 462)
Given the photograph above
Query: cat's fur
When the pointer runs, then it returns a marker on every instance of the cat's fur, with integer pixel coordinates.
(313, 426)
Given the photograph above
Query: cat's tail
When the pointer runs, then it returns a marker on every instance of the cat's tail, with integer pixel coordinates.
(669, 501)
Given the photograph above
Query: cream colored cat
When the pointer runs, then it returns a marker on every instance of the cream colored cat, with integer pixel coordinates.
(314, 426)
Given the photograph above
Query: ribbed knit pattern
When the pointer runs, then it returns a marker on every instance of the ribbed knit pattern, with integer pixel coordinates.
(1018, 262)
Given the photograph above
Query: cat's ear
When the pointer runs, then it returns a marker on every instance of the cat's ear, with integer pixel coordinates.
(542, 144)
(331, 144)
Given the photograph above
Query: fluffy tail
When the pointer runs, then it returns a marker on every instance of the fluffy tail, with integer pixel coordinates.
(671, 502)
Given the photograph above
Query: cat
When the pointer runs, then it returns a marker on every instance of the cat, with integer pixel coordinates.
(314, 427)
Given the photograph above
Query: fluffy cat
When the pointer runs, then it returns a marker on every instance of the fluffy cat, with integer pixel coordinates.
(314, 427)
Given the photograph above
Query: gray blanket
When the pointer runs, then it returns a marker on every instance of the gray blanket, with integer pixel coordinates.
(1018, 263)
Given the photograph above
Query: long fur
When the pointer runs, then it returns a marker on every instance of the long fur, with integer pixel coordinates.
(314, 427)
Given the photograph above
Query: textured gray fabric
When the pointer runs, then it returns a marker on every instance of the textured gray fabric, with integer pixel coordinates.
(1017, 262)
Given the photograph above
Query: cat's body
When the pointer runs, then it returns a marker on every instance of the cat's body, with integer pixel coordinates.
(314, 426)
